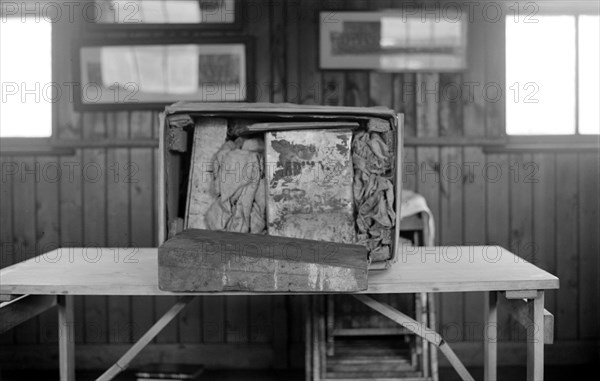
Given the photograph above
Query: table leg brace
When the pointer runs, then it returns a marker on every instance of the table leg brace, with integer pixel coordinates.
(419, 329)
(126, 359)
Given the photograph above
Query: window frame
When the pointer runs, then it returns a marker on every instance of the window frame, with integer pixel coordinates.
(554, 8)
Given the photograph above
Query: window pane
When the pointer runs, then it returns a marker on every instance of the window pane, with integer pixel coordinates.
(540, 75)
(589, 78)
(26, 72)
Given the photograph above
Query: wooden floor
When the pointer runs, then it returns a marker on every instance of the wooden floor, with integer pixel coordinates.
(552, 373)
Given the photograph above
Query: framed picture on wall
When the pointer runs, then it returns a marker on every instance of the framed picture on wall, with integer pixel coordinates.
(164, 14)
(132, 74)
(392, 41)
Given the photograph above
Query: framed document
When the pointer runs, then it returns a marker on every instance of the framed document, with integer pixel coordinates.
(130, 74)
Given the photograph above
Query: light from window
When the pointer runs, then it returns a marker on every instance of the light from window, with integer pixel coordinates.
(540, 75)
(589, 78)
(26, 76)
(552, 80)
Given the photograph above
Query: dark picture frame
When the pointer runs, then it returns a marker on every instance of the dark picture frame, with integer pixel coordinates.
(391, 41)
(130, 18)
(214, 58)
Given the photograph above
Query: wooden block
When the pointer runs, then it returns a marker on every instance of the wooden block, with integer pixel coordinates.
(209, 136)
(204, 260)
(287, 126)
(521, 294)
(309, 177)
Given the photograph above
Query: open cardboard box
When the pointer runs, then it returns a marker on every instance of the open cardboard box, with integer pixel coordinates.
(174, 166)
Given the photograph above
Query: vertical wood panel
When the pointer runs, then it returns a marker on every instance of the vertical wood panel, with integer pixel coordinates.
(450, 105)
(451, 220)
(474, 233)
(521, 172)
(277, 33)
(7, 248)
(494, 88)
(47, 220)
(118, 221)
(589, 245)
(258, 25)
(236, 323)
(308, 34)
(24, 231)
(357, 89)
(404, 100)
(544, 219)
(94, 222)
(567, 233)
(496, 176)
(292, 60)
(71, 222)
(333, 88)
(474, 78)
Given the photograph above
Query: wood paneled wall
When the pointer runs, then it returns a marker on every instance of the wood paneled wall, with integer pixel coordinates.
(543, 206)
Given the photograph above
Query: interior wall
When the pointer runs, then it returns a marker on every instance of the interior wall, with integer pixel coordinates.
(541, 205)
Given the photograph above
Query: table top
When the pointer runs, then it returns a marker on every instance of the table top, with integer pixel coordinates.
(134, 271)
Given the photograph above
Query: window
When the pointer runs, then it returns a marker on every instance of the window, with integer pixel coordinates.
(552, 79)
(26, 77)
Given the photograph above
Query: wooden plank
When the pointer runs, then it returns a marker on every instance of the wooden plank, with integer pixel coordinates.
(521, 171)
(309, 77)
(474, 102)
(7, 249)
(356, 89)
(451, 221)
(474, 231)
(333, 88)
(190, 322)
(258, 25)
(71, 220)
(287, 126)
(277, 47)
(94, 221)
(262, 324)
(126, 359)
(544, 217)
(24, 231)
(589, 245)
(23, 309)
(118, 217)
(140, 172)
(380, 89)
(66, 347)
(427, 104)
(494, 87)
(213, 319)
(410, 172)
(520, 294)
(567, 234)
(204, 260)
(535, 339)
(237, 320)
(450, 107)
(209, 136)
(47, 225)
(496, 175)
(422, 269)
(404, 100)
(292, 52)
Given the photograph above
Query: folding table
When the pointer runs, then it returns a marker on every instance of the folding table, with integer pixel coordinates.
(30, 287)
